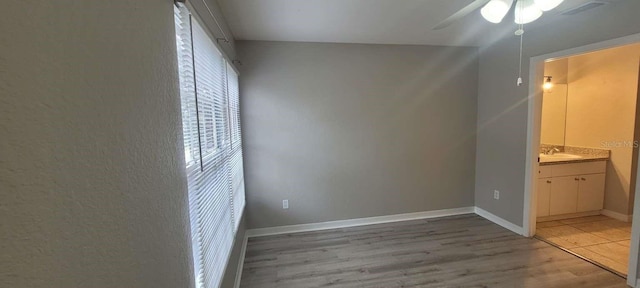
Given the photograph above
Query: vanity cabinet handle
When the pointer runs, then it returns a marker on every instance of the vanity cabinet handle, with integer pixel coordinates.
(548, 181)
(577, 179)
(584, 179)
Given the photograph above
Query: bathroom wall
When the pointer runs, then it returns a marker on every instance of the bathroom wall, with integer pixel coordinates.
(558, 70)
(601, 111)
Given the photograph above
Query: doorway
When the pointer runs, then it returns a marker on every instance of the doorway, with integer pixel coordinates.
(564, 203)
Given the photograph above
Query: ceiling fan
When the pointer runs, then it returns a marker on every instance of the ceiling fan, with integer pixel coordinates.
(526, 11)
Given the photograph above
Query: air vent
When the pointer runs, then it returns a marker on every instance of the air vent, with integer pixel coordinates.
(584, 7)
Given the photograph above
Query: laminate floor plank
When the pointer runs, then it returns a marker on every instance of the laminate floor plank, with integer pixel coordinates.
(458, 251)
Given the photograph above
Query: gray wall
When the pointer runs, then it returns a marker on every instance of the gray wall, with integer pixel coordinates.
(92, 180)
(346, 131)
(502, 107)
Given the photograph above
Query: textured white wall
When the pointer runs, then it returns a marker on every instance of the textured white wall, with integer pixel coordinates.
(92, 187)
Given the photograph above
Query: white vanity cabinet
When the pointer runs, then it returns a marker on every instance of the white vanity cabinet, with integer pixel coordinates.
(563, 198)
(544, 192)
(571, 188)
(591, 192)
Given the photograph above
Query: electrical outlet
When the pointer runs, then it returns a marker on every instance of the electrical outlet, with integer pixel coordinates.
(496, 194)
(285, 204)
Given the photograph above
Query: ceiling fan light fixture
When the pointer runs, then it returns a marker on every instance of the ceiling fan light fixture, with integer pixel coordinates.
(526, 12)
(495, 10)
(547, 5)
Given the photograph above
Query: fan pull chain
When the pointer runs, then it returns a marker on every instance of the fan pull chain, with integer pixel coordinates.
(520, 32)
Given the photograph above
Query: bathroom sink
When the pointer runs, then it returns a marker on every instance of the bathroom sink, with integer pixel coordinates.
(558, 157)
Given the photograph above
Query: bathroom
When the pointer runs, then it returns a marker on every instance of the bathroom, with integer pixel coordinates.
(589, 134)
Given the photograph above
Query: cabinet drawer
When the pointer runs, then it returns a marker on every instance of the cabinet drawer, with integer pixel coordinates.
(544, 171)
(578, 168)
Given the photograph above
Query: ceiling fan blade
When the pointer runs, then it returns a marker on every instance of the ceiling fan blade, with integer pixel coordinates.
(461, 13)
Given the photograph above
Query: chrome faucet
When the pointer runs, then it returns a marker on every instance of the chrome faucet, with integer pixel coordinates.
(552, 151)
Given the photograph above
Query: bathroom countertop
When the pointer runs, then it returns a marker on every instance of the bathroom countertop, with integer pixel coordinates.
(587, 155)
(585, 158)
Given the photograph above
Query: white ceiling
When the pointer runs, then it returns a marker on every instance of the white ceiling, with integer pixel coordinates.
(367, 21)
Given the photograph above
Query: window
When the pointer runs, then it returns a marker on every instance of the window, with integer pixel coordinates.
(213, 152)
(237, 174)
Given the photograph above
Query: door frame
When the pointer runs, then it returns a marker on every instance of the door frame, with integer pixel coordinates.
(534, 104)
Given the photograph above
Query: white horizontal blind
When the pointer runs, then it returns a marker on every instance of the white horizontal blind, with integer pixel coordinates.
(234, 104)
(189, 124)
(214, 169)
(187, 88)
(210, 83)
(236, 169)
(213, 206)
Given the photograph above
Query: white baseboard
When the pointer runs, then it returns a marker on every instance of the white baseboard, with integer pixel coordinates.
(616, 215)
(495, 219)
(357, 222)
(243, 251)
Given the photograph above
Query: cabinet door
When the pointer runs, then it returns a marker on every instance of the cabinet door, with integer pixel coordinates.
(544, 191)
(564, 195)
(591, 192)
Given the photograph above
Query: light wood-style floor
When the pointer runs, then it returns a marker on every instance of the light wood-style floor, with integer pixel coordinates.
(459, 251)
(599, 238)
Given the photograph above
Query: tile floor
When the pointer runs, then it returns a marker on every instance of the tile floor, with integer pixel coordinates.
(598, 238)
